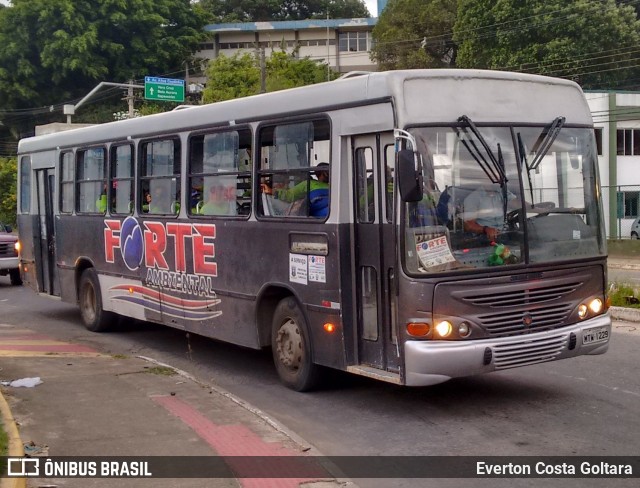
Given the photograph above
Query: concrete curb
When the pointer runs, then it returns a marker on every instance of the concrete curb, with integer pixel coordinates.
(623, 313)
(16, 448)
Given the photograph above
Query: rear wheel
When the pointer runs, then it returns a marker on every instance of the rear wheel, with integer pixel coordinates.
(291, 347)
(14, 274)
(90, 301)
(634, 235)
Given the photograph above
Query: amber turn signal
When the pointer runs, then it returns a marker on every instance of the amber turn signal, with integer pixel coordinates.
(329, 327)
(418, 329)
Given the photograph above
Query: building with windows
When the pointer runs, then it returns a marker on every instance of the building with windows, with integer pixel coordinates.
(616, 117)
(343, 43)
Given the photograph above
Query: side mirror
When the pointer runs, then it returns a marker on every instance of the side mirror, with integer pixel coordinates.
(409, 176)
(8, 229)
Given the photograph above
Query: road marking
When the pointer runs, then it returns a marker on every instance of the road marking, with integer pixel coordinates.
(24, 343)
(240, 441)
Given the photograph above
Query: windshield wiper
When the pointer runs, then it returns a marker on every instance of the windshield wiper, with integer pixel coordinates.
(523, 158)
(543, 145)
(493, 168)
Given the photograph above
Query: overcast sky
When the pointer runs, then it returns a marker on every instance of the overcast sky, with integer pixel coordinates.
(372, 5)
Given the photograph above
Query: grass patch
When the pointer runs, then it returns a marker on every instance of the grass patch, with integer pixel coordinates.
(624, 295)
(161, 370)
(4, 448)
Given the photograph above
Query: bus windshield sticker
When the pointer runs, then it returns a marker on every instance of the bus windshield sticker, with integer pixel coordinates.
(317, 269)
(434, 252)
(298, 268)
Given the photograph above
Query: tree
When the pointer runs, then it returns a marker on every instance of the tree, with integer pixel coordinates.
(57, 50)
(415, 34)
(274, 10)
(239, 75)
(231, 77)
(589, 41)
(8, 176)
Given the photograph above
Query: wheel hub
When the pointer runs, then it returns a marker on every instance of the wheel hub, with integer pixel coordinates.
(289, 344)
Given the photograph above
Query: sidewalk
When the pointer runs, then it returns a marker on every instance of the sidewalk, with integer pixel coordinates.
(91, 404)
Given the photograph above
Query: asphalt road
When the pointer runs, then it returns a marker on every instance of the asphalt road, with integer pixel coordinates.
(586, 406)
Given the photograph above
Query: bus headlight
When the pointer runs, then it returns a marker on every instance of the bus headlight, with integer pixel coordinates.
(582, 310)
(444, 328)
(464, 330)
(596, 305)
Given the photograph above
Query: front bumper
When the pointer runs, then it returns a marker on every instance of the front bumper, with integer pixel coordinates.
(433, 362)
(9, 263)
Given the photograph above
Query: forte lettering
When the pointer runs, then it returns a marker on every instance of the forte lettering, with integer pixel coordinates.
(155, 241)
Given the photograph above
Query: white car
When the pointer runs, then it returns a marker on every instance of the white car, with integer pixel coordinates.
(635, 229)
(9, 255)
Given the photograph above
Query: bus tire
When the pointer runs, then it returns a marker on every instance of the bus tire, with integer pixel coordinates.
(14, 274)
(291, 347)
(94, 317)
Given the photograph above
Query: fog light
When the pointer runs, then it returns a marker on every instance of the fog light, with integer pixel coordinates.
(444, 328)
(596, 305)
(418, 329)
(582, 311)
(464, 330)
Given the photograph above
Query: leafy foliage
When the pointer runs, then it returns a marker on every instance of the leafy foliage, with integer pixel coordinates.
(56, 50)
(589, 41)
(8, 192)
(415, 34)
(274, 10)
(239, 75)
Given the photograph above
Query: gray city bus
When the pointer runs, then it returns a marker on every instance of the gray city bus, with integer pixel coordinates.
(459, 230)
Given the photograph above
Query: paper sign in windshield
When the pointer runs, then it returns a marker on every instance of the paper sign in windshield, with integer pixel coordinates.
(434, 252)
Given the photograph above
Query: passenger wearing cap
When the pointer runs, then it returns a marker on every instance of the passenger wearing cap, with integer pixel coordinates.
(318, 189)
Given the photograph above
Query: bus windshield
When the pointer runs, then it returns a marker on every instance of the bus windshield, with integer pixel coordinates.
(503, 196)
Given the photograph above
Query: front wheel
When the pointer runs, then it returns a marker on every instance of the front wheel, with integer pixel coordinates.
(291, 347)
(90, 301)
(14, 274)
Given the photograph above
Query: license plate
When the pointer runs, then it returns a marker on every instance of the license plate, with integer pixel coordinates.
(597, 334)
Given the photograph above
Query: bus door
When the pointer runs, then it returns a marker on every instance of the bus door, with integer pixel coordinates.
(374, 251)
(45, 244)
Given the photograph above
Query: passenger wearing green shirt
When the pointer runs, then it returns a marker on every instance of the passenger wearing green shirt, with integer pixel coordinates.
(221, 201)
(318, 192)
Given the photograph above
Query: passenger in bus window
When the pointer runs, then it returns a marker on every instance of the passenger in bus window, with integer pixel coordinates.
(318, 191)
(161, 202)
(101, 202)
(146, 201)
(423, 212)
(221, 200)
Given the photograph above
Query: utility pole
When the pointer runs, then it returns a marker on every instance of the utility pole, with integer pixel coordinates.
(129, 98)
(328, 49)
(70, 110)
(263, 72)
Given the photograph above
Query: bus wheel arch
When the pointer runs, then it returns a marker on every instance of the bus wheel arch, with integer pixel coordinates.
(291, 347)
(267, 301)
(94, 317)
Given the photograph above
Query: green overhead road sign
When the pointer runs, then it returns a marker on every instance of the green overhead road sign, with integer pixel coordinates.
(167, 89)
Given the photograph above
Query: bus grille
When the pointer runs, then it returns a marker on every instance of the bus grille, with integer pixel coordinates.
(519, 304)
(7, 249)
(510, 322)
(529, 296)
(527, 352)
